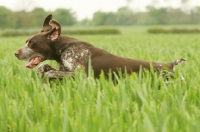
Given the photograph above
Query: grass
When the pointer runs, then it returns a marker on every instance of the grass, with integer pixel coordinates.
(83, 105)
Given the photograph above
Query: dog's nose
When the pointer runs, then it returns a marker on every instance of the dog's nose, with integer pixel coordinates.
(16, 53)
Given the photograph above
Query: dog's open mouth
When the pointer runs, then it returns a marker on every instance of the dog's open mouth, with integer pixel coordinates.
(33, 62)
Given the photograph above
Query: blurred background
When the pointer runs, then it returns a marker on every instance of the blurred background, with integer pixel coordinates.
(30, 14)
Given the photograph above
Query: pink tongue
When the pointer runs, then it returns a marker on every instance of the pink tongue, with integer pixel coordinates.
(33, 62)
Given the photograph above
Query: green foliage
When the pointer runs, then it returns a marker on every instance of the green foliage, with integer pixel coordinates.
(153, 16)
(123, 16)
(94, 31)
(36, 16)
(157, 30)
(135, 104)
(99, 18)
(6, 18)
(12, 32)
(65, 16)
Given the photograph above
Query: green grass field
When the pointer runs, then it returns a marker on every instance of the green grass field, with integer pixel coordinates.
(135, 104)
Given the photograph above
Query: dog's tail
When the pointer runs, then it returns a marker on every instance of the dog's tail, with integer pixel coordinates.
(171, 68)
(176, 62)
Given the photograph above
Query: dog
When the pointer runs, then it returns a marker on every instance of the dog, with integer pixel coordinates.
(71, 54)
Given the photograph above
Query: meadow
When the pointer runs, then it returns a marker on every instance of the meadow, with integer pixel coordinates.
(138, 103)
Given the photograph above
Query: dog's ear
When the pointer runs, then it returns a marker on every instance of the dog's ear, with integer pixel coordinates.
(55, 32)
(46, 27)
(47, 20)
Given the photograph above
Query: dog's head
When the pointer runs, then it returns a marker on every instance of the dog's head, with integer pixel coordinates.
(39, 46)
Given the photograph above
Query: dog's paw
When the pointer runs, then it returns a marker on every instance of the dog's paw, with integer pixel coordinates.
(42, 69)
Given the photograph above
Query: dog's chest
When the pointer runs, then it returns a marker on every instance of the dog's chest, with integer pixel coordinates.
(75, 57)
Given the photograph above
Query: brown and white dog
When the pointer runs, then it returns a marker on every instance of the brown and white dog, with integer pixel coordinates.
(71, 53)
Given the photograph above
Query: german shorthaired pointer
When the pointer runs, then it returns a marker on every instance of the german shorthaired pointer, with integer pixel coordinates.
(71, 53)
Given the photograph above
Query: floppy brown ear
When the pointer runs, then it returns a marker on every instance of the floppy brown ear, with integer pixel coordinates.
(55, 32)
(46, 27)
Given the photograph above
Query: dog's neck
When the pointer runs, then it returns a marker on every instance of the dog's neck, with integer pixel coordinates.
(68, 49)
(64, 42)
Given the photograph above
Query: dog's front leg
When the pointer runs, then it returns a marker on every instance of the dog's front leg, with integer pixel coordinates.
(56, 74)
(42, 69)
(48, 72)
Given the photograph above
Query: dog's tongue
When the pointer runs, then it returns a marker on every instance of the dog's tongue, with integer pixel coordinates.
(33, 62)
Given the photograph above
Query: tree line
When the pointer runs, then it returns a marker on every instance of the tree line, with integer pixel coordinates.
(123, 16)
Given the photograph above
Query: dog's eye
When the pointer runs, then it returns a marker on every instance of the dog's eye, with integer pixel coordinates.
(33, 45)
(28, 41)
